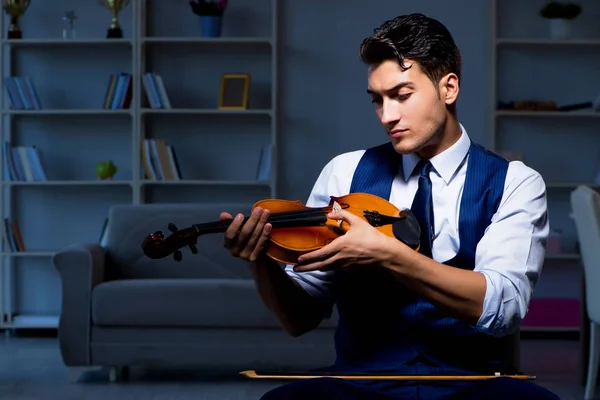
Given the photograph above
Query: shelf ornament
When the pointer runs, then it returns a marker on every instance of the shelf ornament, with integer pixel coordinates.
(15, 9)
(211, 15)
(69, 29)
(560, 16)
(115, 7)
(106, 170)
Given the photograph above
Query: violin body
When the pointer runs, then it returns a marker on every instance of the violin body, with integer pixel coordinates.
(287, 244)
(298, 229)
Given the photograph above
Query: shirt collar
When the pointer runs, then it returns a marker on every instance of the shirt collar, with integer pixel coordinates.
(446, 163)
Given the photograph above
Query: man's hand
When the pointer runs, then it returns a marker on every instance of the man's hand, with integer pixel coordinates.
(295, 309)
(249, 241)
(361, 245)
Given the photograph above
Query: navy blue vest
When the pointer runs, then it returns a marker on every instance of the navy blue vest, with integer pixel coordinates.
(383, 325)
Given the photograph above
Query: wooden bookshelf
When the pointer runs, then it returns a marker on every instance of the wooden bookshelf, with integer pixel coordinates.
(218, 151)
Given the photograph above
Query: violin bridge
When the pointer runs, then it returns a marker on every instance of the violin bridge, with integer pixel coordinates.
(337, 208)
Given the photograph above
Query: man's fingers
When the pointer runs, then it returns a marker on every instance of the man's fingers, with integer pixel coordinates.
(249, 225)
(321, 265)
(262, 242)
(232, 232)
(255, 234)
(247, 239)
(246, 230)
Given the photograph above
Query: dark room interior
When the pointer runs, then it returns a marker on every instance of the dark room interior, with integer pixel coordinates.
(129, 126)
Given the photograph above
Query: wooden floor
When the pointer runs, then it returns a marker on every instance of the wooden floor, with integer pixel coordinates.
(31, 368)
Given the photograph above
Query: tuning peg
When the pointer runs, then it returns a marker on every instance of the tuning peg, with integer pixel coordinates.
(194, 249)
(172, 227)
(177, 256)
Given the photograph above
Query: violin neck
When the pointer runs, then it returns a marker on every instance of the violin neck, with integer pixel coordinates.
(286, 219)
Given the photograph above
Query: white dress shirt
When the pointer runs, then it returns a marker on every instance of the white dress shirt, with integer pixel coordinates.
(510, 255)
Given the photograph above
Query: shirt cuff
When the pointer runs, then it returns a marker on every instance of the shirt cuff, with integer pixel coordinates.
(501, 314)
(315, 285)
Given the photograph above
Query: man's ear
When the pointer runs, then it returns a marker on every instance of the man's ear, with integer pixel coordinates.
(449, 88)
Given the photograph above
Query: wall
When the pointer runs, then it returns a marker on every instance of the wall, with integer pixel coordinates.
(324, 109)
(325, 106)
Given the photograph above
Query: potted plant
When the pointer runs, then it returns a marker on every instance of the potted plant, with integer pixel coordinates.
(560, 16)
(211, 15)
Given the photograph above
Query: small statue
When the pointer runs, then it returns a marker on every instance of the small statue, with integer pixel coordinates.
(106, 170)
(69, 30)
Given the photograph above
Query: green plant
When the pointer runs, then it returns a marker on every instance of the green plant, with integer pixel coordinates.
(556, 10)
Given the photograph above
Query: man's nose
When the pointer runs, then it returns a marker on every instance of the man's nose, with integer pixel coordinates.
(389, 113)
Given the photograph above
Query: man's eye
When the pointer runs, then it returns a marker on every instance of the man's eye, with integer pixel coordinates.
(404, 96)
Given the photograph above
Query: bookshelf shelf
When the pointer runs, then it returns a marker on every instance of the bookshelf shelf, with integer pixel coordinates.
(66, 42)
(206, 111)
(211, 154)
(550, 329)
(570, 185)
(90, 111)
(70, 183)
(563, 256)
(200, 182)
(546, 42)
(215, 41)
(548, 114)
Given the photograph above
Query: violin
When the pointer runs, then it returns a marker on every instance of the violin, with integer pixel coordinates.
(296, 228)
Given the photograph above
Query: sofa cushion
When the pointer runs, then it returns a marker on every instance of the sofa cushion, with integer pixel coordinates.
(209, 303)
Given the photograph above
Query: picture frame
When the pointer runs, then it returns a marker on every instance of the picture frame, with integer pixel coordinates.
(235, 89)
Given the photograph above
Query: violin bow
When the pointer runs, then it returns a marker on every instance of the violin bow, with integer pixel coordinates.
(253, 374)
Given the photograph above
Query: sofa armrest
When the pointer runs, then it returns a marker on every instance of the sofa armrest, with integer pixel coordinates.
(81, 267)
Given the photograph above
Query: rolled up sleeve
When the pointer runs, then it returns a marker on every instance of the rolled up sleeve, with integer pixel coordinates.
(511, 253)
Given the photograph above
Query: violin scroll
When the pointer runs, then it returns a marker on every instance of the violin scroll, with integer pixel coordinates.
(156, 246)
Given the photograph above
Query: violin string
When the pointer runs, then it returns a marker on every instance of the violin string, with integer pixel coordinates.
(282, 216)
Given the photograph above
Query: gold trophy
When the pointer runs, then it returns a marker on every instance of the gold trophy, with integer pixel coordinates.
(115, 7)
(16, 9)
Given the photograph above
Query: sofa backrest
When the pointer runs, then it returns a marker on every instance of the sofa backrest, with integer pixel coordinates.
(129, 225)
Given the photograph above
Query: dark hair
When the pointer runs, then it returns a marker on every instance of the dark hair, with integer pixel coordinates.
(416, 37)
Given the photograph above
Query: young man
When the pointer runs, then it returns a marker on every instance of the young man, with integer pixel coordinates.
(449, 308)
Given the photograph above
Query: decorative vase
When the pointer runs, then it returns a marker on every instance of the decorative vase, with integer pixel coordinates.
(210, 25)
(560, 28)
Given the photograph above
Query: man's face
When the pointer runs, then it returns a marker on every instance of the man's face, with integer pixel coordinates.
(408, 105)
